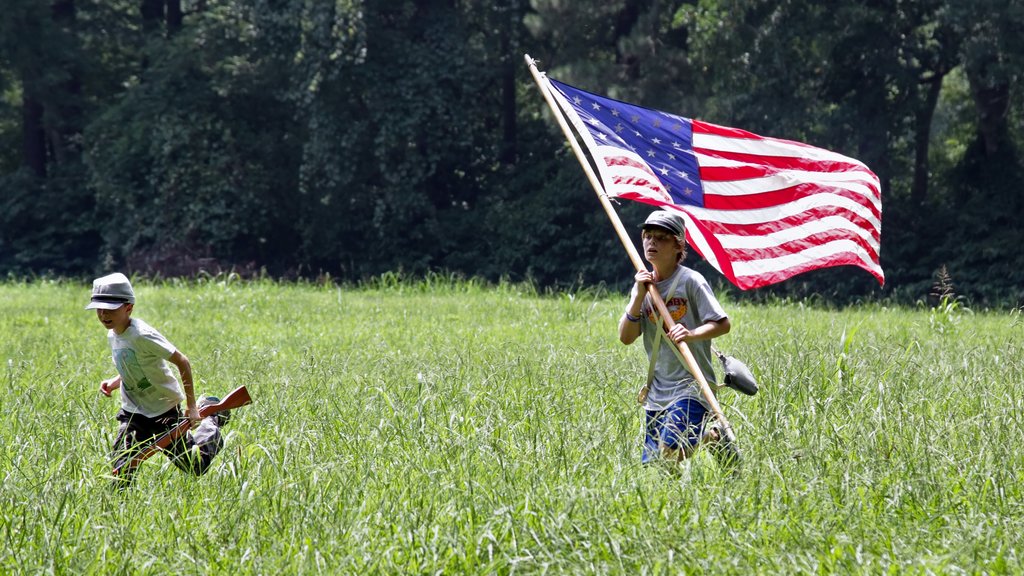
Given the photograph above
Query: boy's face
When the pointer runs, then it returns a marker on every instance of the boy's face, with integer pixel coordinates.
(660, 246)
(117, 319)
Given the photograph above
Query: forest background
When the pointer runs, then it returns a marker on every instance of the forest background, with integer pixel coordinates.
(348, 139)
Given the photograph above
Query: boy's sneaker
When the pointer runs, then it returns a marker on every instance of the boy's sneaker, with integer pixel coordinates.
(223, 417)
(724, 449)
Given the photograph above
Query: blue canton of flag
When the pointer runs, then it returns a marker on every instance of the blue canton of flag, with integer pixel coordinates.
(661, 141)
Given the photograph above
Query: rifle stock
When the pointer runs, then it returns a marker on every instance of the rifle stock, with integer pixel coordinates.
(235, 399)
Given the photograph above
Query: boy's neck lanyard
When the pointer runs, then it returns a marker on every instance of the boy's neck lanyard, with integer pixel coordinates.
(659, 326)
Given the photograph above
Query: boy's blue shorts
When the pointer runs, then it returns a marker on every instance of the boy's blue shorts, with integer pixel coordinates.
(677, 426)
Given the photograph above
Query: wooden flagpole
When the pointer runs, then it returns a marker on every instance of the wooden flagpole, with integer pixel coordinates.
(659, 302)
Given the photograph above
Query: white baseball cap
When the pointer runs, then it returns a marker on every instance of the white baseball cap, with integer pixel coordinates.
(111, 292)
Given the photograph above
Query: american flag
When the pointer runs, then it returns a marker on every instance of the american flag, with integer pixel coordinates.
(759, 209)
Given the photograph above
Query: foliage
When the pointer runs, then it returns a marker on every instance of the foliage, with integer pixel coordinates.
(47, 228)
(357, 137)
(948, 309)
(446, 427)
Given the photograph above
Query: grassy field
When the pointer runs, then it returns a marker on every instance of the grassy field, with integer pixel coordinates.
(446, 427)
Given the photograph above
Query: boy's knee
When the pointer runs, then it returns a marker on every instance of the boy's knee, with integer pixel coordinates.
(674, 454)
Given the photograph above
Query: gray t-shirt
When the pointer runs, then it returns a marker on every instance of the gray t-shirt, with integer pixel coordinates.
(147, 385)
(691, 304)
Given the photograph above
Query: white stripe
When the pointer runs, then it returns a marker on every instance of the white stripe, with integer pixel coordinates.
(613, 153)
(630, 171)
(760, 267)
(700, 243)
(852, 175)
(784, 180)
(855, 173)
(774, 213)
(719, 162)
(618, 190)
(609, 174)
(768, 147)
(826, 224)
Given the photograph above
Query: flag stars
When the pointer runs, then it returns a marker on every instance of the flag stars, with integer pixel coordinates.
(657, 122)
(664, 171)
(671, 156)
(650, 153)
(656, 141)
(634, 118)
(577, 100)
(676, 145)
(619, 127)
(615, 112)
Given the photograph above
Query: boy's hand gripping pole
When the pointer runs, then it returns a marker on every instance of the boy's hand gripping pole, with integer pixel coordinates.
(659, 303)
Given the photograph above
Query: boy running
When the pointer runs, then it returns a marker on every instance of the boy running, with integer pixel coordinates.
(676, 411)
(150, 394)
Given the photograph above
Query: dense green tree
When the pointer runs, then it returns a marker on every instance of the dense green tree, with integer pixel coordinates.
(866, 79)
(191, 154)
(41, 51)
(981, 211)
(354, 137)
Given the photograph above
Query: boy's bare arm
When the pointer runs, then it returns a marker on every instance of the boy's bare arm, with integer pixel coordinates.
(629, 330)
(110, 384)
(707, 331)
(185, 370)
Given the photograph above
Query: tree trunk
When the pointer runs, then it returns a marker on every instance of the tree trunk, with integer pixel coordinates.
(174, 17)
(992, 101)
(152, 12)
(33, 141)
(922, 140)
(63, 106)
(508, 19)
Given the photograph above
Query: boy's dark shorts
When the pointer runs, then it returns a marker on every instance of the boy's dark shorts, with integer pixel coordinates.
(143, 428)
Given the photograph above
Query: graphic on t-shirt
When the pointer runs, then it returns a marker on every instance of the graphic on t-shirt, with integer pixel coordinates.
(676, 309)
(132, 376)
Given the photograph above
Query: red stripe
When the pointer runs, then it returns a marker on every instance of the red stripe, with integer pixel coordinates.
(721, 254)
(796, 246)
(636, 182)
(783, 196)
(760, 166)
(700, 127)
(766, 278)
(716, 246)
(613, 161)
(763, 228)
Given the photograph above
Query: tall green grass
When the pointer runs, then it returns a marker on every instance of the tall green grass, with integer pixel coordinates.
(445, 426)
